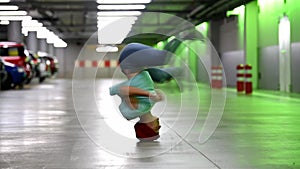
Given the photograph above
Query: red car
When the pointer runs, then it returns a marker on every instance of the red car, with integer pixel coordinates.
(15, 53)
(51, 63)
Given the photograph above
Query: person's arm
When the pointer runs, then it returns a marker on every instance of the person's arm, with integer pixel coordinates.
(128, 93)
(133, 91)
(115, 90)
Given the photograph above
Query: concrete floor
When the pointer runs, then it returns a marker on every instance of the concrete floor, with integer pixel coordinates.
(51, 126)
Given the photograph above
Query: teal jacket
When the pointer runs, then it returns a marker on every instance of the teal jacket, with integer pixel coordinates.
(142, 81)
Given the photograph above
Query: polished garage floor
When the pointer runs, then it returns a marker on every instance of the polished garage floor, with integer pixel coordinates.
(43, 126)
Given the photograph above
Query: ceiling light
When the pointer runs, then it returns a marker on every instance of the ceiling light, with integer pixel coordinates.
(33, 29)
(105, 49)
(60, 44)
(120, 13)
(123, 1)
(52, 38)
(42, 33)
(113, 19)
(4, 22)
(120, 7)
(4, 1)
(9, 7)
(113, 34)
(15, 18)
(103, 24)
(31, 23)
(12, 13)
(109, 32)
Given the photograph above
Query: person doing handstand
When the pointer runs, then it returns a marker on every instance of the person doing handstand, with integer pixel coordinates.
(137, 94)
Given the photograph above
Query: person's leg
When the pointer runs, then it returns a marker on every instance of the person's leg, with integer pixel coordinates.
(146, 118)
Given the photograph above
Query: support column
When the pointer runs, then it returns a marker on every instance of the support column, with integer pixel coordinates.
(14, 32)
(3, 32)
(214, 36)
(251, 39)
(32, 42)
(43, 47)
(59, 53)
(51, 49)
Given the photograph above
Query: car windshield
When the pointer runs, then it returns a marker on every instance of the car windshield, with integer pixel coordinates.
(12, 51)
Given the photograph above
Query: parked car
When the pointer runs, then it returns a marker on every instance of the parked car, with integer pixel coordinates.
(14, 53)
(3, 73)
(52, 64)
(32, 60)
(39, 66)
(12, 76)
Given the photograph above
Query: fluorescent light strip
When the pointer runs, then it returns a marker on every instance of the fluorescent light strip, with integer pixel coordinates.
(52, 38)
(120, 13)
(105, 36)
(33, 29)
(12, 13)
(60, 44)
(105, 49)
(103, 22)
(121, 7)
(4, 1)
(112, 34)
(15, 18)
(9, 7)
(123, 1)
(4, 22)
(114, 18)
(42, 33)
(31, 23)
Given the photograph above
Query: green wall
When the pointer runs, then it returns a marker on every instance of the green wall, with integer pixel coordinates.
(251, 40)
(270, 12)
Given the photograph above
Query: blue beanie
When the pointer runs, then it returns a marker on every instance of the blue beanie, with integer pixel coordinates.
(136, 56)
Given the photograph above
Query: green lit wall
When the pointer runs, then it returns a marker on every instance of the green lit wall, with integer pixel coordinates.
(251, 40)
(270, 12)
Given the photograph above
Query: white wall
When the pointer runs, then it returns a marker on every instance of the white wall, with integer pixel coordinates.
(71, 54)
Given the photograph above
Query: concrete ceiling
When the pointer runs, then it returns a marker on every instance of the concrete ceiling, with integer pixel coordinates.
(77, 19)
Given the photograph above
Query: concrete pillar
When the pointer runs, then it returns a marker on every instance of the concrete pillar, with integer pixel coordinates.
(32, 42)
(214, 36)
(51, 49)
(14, 32)
(59, 53)
(3, 32)
(251, 39)
(43, 47)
